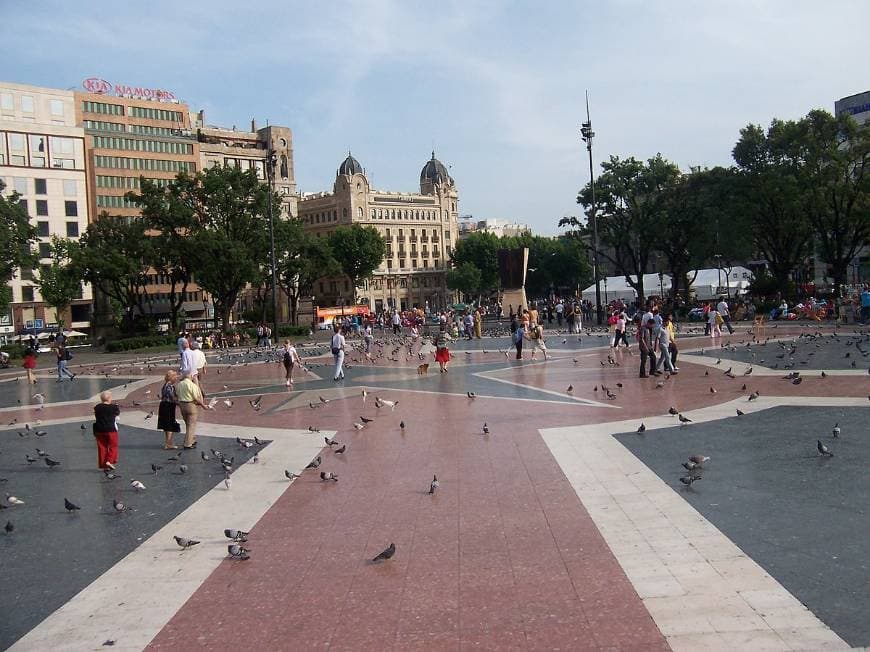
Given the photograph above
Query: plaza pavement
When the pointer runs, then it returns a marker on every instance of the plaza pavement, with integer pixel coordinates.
(561, 528)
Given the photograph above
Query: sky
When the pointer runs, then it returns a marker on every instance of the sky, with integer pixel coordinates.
(495, 88)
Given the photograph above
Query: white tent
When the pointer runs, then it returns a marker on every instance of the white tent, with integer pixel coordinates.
(706, 285)
(616, 287)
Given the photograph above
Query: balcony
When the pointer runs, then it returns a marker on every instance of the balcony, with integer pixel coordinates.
(413, 238)
(402, 251)
(425, 252)
(424, 238)
(435, 239)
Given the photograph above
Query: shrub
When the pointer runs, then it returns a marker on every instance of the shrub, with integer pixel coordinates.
(142, 342)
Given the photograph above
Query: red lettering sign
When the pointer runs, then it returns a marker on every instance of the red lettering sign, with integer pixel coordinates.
(96, 85)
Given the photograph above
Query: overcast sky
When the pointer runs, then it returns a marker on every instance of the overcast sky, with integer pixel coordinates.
(497, 88)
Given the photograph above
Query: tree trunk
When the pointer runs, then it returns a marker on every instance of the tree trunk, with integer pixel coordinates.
(294, 308)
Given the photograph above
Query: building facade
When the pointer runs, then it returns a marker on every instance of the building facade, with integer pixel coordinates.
(420, 230)
(43, 159)
(498, 227)
(858, 106)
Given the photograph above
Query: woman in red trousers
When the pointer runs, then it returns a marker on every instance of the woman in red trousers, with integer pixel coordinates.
(106, 431)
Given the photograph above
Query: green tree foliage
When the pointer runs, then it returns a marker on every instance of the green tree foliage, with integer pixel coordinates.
(60, 282)
(229, 240)
(770, 189)
(302, 259)
(630, 207)
(17, 237)
(481, 250)
(557, 265)
(358, 249)
(831, 156)
(114, 256)
(466, 278)
(169, 214)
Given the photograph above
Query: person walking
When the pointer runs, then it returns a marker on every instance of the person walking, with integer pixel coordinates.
(672, 341)
(442, 352)
(189, 402)
(290, 358)
(619, 333)
(338, 345)
(368, 338)
(663, 340)
(646, 345)
(725, 314)
(105, 428)
(29, 365)
(478, 323)
(188, 361)
(397, 322)
(199, 361)
(536, 337)
(518, 333)
(63, 356)
(713, 320)
(570, 315)
(560, 312)
(166, 410)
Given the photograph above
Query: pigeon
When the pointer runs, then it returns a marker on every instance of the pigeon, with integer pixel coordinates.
(836, 431)
(699, 459)
(228, 403)
(50, 463)
(434, 484)
(313, 464)
(743, 388)
(688, 480)
(290, 476)
(824, 451)
(753, 396)
(339, 451)
(323, 400)
(13, 500)
(364, 395)
(255, 403)
(236, 535)
(570, 389)
(748, 371)
(204, 456)
(684, 419)
(712, 390)
(156, 468)
(9, 527)
(212, 403)
(328, 475)
(138, 486)
(359, 426)
(383, 402)
(119, 506)
(642, 427)
(797, 381)
(182, 469)
(330, 442)
(673, 411)
(366, 419)
(110, 475)
(402, 425)
(259, 442)
(386, 554)
(824, 375)
(313, 429)
(485, 428)
(312, 405)
(706, 373)
(690, 466)
(740, 412)
(70, 507)
(41, 452)
(471, 395)
(244, 443)
(149, 415)
(30, 460)
(185, 543)
(238, 552)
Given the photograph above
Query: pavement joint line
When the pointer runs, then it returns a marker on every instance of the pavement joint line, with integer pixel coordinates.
(640, 518)
(575, 399)
(158, 564)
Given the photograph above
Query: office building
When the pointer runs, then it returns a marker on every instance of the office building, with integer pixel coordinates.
(498, 227)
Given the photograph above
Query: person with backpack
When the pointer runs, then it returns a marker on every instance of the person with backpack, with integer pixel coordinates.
(536, 336)
(517, 335)
(290, 358)
(63, 356)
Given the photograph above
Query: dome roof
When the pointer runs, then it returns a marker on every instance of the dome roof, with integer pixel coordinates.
(350, 166)
(435, 171)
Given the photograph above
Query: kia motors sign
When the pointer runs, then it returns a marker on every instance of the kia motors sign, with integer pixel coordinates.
(102, 87)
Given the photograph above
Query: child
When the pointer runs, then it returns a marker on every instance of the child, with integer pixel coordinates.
(29, 365)
(713, 322)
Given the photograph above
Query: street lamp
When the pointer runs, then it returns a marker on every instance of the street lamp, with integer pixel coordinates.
(270, 172)
(605, 296)
(586, 134)
(718, 258)
(662, 286)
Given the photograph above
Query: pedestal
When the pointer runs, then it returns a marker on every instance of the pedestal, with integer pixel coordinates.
(515, 297)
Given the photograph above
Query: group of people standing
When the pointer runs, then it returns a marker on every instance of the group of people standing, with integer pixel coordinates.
(526, 327)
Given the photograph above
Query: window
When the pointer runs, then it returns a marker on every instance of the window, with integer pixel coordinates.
(374, 213)
(26, 274)
(102, 107)
(7, 102)
(63, 146)
(44, 250)
(20, 185)
(425, 264)
(389, 263)
(17, 142)
(156, 114)
(56, 107)
(42, 229)
(359, 212)
(72, 229)
(23, 204)
(70, 188)
(39, 187)
(414, 263)
(71, 209)
(26, 104)
(42, 207)
(27, 293)
(344, 212)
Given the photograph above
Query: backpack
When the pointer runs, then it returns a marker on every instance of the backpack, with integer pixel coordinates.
(517, 337)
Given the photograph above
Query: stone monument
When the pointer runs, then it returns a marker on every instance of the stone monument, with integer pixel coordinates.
(512, 264)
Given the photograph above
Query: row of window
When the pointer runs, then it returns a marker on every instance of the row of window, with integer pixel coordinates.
(413, 263)
(102, 107)
(114, 201)
(36, 150)
(129, 183)
(404, 214)
(156, 114)
(27, 291)
(164, 296)
(159, 165)
(21, 185)
(134, 144)
(7, 103)
(100, 125)
(43, 231)
(71, 208)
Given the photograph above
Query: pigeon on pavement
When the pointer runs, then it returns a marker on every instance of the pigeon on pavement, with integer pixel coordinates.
(386, 553)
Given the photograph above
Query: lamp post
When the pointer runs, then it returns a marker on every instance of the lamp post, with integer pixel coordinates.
(605, 296)
(270, 172)
(718, 258)
(662, 286)
(587, 135)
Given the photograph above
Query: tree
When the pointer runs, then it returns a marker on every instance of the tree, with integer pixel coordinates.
(770, 196)
(480, 249)
(229, 242)
(168, 212)
(17, 236)
(631, 203)
(302, 259)
(466, 278)
(832, 160)
(60, 282)
(359, 250)
(114, 256)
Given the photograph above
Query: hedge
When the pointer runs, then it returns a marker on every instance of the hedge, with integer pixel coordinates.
(143, 342)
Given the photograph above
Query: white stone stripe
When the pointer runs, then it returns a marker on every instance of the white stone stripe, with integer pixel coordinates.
(132, 601)
(702, 591)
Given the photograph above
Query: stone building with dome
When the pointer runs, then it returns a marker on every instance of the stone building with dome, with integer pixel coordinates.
(420, 230)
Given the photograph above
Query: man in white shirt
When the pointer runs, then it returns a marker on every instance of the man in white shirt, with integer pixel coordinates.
(198, 358)
(397, 323)
(188, 362)
(338, 352)
(723, 311)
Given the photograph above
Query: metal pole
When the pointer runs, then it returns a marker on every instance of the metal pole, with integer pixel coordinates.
(271, 174)
(587, 135)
